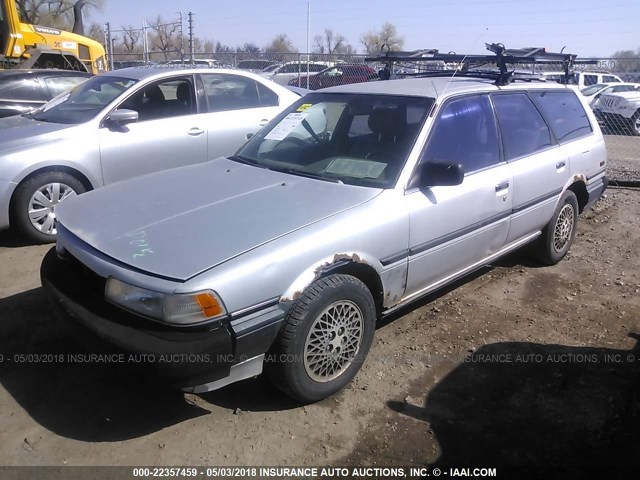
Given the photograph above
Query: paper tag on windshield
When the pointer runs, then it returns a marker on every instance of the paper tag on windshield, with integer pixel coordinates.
(286, 126)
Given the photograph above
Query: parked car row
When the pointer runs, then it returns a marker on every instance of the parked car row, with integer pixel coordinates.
(616, 106)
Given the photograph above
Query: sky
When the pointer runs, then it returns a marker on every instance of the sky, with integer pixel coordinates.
(589, 28)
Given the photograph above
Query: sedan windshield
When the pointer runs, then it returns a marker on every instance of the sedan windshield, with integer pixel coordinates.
(83, 102)
(593, 89)
(349, 138)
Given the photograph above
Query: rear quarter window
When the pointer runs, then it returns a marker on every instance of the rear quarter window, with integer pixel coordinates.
(564, 114)
(523, 129)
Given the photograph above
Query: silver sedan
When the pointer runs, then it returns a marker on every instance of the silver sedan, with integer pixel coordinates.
(123, 124)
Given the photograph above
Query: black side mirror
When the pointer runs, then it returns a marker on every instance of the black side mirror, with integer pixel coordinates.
(435, 174)
(120, 118)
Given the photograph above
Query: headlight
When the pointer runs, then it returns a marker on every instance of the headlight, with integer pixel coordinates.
(177, 308)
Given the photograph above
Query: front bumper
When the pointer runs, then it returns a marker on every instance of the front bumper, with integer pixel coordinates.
(180, 356)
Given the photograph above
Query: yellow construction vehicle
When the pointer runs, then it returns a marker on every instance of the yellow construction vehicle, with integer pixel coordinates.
(33, 46)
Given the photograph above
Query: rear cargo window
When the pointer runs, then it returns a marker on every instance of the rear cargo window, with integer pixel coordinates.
(564, 114)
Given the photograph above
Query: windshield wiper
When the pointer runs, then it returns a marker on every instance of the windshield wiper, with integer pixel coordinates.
(317, 176)
(245, 160)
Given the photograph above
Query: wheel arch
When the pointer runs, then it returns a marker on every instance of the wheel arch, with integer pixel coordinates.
(357, 265)
(52, 168)
(578, 185)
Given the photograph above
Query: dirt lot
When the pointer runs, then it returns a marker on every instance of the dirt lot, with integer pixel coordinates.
(516, 365)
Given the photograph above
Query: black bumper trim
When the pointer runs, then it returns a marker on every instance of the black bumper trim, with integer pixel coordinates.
(103, 327)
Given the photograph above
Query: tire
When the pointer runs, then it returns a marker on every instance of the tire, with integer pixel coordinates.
(558, 234)
(634, 126)
(34, 201)
(310, 376)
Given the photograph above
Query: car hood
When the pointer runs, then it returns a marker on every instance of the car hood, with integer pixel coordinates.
(178, 223)
(19, 131)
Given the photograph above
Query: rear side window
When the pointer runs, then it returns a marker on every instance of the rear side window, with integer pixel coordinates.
(268, 98)
(22, 89)
(609, 79)
(590, 80)
(465, 132)
(564, 114)
(523, 128)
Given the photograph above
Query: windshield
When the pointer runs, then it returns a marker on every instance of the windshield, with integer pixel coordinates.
(83, 102)
(356, 139)
(593, 89)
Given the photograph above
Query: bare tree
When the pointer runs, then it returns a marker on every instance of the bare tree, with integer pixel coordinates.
(387, 36)
(280, 44)
(249, 47)
(52, 13)
(165, 36)
(130, 39)
(331, 42)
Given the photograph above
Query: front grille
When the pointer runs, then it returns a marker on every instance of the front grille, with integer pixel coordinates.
(90, 280)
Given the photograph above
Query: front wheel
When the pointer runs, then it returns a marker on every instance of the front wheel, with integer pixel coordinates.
(35, 200)
(558, 234)
(325, 339)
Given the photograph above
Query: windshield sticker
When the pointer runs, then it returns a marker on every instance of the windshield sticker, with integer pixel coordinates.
(56, 101)
(305, 106)
(352, 167)
(286, 126)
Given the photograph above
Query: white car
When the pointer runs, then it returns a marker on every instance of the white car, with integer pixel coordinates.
(620, 111)
(594, 92)
(290, 70)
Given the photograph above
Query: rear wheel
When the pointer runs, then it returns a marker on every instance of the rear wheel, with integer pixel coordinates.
(558, 234)
(35, 200)
(325, 339)
(635, 124)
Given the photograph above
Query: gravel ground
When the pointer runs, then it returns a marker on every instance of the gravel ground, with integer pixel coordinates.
(516, 364)
(624, 157)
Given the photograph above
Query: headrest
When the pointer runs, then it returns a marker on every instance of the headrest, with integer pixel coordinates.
(386, 121)
(183, 92)
(153, 92)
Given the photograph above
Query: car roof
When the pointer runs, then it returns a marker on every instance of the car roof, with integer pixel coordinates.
(437, 87)
(159, 71)
(43, 71)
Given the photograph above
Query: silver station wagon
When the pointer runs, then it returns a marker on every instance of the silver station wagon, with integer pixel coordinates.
(350, 204)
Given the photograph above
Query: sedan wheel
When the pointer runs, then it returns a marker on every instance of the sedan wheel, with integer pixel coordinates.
(34, 203)
(42, 206)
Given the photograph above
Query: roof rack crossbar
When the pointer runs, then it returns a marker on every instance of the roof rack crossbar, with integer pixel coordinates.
(502, 58)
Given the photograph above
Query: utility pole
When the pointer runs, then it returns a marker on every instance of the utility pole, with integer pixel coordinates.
(181, 37)
(308, 38)
(108, 43)
(191, 39)
(145, 42)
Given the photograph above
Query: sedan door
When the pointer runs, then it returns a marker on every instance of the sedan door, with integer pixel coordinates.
(454, 227)
(169, 133)
(238, 107)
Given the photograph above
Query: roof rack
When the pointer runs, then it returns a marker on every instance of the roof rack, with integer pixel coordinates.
(468, 65)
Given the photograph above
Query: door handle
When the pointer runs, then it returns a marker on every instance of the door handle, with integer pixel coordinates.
(195, 131)
(561, 164)
(263, 122)
(502, 186)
